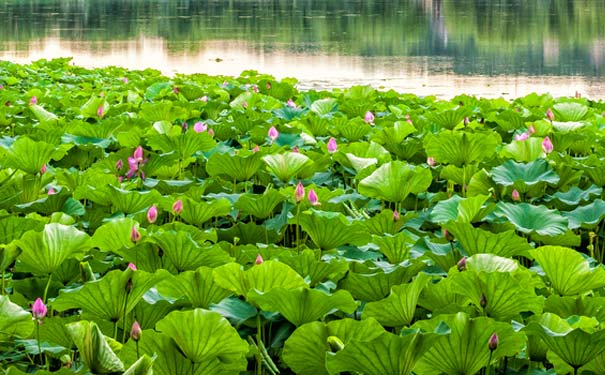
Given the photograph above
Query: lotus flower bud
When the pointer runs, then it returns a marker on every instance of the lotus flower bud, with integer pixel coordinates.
(332, 146)
(175, 90)
(137, 155)
(152, 214)
(550, 115)
(483, 300)
(132, 266)
(431, 161)
(245, 104)
(135, 331)
(395, 215)
(547, 145)
(100, 111)
(204, 99)
(39, 310)
(273, 133)
(521, 137)
(1, 87)
(447, 235)
(299, 192)
(296, 150)
(466, 121)
(493, 342)
(531, 130)
(211, 132)
(268, 85)
(461, 264)
(33, 100)
(515, 195)
(51, 191)
(369, 117)
(119, 164)
(200, 127)
(335, 344)
(313, 199)
(256, 149)
(135, 235)
(291, 103)
(124, 80)
(259, 259)
(177, 207)
(255, 88)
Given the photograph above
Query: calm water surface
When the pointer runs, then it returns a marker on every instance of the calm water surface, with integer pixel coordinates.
(443, 47)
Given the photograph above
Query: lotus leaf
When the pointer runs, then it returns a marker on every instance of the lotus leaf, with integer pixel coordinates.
(394, 181)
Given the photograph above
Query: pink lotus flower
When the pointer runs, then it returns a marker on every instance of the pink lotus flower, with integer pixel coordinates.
(395, 215)
(255, 88)
(313, 198)
(100, 111)
(256, 149)
(295, 150)
(43, 169)
(200, 127)
(521, 137)
(177, 207)
(332, 146)
(39, 310)
(550, 115)
(299, 192)
(492, 344)
(531, 130)
(135, 235)
(138, 154)
(369, 117)
(259, 260)
(135, 331)
(203, 99)
(124, 80)
(33, 100)
(51, 191)
(431, 161)
(152, 214)
(132, 266)
(290, 103)
(547, 145)
(515, 195)
(273, 133)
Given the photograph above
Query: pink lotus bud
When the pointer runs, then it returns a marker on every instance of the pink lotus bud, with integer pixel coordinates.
(259, 260)
(200, 127)
(299, 192)
(369, 117)
(521, 137)
(492, 344)
(204, 98)
(547, 145)
(531, 129)
(43, 169)
(39, 310)
(51, 191)
(295, 149)
(550, 115)
(1, 87)
(255, 88)
(33, 100)
(256, 149)
(100, 111)
(135, 331)
(466, 121)
(313, 199)
(137, 155)
(461, 264)
(332, 146)
(273, 133)
(483, 300)
(175, 90)
(101, 94)
(152, 214)
(245, 104)
(447, 235)
(132, 266)
(268, 85)
(119, 164)
(211, 132)
(431, 161)
(177, 207)
(135, 235)
(185, 127)
(395, 215)
(515, 195)
(120, 179)
(124, 80)
(291, 103)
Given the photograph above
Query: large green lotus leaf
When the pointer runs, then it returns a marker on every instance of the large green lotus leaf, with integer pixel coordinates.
(239, 167)
(132, 201)
(574, 196)
(198, 287)
(263, 277)
(204, 335)
(448, 118)
(153, 308)
(186, 254)
(114, 235)
(476, 240)
(375, 285)
(480, 184)
(583, 305)
(260, 206)
(14, 320)
(396, 247)
(465, 350)
(236, 310)
(309, 264)
(184, 145)
(92, 105)
(306, 349)
(576, 344)
(395, 180)
(162, 111)
(386, 354)
(13, 227)
(250, 233)
(570, 111)
(323, 107)
(144, 366)
(46, 205)
(329, 229)
(463, 210)
(359, 154)
(440, 298)
(94, 348)
(567, 127)
(398, 309)
(287, 165)
(588, 216)
(42, 114)
(352, 130)
(108, 298)
(596, 366)
(29, 156)
(529, 219)
(459, 175)
(43, 252)
(491, 263)
(523, 151)
(505, 296)
(383, 222)
(54, 330)
(303, 305)
(461, 148)
(197, 213)
(569, 273)
(524, 175)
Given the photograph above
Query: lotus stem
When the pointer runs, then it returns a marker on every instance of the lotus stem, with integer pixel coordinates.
(259, 361)
(489, 363)
(38, 339)
(298, 228)
(45, 289)
(136, 344)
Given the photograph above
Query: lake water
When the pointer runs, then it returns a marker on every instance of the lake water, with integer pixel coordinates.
(443, 47)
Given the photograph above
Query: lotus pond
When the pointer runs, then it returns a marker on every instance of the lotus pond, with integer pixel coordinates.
(218, 225)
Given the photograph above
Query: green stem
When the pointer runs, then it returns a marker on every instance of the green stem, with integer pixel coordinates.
(489, 363)
(47, 286)
(115, 330)
(298, 228)
(259, 362)
(136, 344)
(124, 319)
(38, 339)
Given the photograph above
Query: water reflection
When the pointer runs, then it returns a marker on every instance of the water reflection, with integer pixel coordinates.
(424, 46)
